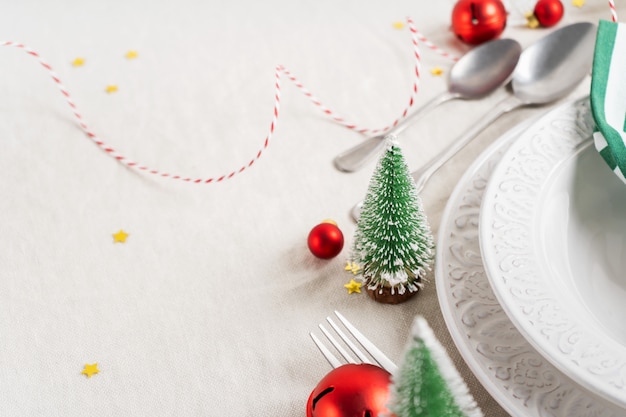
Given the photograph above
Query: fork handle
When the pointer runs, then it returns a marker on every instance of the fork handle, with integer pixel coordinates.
(355, 157)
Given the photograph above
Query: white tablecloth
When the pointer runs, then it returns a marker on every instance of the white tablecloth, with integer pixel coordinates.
(205, 310)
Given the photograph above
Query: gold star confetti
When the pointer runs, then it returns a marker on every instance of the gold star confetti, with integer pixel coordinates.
(578, 3)
(78, 62)
(436, 71)
(398, 25)
(90, 370)
(352, 267)
(131, 54)
(531, 20)
(120, 237)
(353, 286)
(111, 88)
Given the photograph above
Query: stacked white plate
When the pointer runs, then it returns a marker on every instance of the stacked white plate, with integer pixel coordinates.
(529, 270)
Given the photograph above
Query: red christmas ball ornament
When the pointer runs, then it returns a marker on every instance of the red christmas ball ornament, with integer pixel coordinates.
(548, 12)
(351, 390)
(325, 240)
(478, 21)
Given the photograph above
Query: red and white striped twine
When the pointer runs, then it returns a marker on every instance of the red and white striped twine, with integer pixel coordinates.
(277, 75)
(434, 47)
(613, 11)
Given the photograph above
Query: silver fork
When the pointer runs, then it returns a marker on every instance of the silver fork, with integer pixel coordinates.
(379, 358)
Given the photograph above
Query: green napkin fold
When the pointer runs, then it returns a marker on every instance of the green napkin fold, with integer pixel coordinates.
(608, 95)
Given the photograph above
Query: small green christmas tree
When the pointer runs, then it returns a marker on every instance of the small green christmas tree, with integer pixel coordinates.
(393, 243)
(427, 384)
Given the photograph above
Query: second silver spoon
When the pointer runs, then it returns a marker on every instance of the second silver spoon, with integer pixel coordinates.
(547, 70)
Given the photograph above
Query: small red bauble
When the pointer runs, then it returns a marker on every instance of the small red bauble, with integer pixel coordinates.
(325, 240)
(548, 12)
(478, 21)
(349, 391)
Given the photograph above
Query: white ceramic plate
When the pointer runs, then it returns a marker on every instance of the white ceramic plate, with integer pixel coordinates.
(512, 371)
(552, 237)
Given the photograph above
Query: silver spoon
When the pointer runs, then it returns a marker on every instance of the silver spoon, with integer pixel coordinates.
(478, 73)
(547, 70)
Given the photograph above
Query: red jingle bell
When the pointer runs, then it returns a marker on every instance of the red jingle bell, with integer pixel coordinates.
(548, 12)
(351, 391)
(325, 240)
(478, 21)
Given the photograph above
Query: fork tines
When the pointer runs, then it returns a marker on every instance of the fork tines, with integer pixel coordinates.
(375, 353)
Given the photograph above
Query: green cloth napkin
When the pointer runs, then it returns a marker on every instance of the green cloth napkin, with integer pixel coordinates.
(608, 95)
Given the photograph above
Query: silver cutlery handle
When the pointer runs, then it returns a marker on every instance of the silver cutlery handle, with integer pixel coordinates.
(422, 175)
(354, 158)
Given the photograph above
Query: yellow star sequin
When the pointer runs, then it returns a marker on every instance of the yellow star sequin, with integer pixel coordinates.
(398, 25)
(578, 3)
(90, 370)
(531, 20)
(131, 54)
(120, 237)
(111, 88)
(353, 286)
(436, 71)
(352, 267)
(78, 62)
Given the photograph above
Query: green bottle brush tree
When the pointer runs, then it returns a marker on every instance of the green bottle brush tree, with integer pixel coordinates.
(393, 244)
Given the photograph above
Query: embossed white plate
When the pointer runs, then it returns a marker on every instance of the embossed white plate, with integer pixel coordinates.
(553, 240)
(514, 373)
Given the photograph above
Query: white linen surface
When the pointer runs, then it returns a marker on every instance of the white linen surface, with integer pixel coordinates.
(206, 309)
